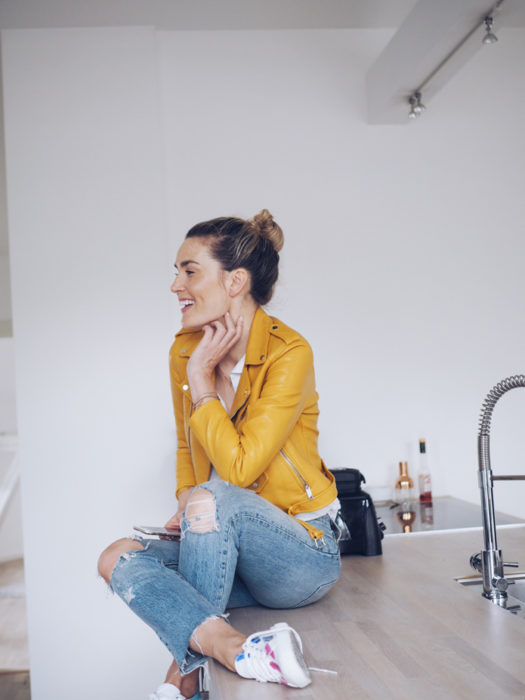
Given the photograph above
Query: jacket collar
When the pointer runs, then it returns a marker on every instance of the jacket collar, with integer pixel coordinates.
(257, 349)
(256, 353)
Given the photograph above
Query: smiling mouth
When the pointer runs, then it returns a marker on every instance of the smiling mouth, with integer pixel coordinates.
(185, 304)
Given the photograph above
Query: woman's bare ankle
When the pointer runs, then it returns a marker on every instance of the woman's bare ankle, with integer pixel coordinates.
(216, 638)
(188, 684)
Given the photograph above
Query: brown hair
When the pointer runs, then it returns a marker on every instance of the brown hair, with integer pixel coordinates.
(250, 243)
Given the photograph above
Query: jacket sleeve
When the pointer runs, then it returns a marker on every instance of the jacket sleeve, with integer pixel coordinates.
(241, 455)
(184, 471)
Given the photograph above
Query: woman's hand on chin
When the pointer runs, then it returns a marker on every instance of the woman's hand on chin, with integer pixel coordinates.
(219, 338)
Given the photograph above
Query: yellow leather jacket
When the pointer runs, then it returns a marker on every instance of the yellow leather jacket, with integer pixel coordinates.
(268, 443)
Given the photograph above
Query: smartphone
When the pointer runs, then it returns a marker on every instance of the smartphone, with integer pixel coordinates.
(171, 533)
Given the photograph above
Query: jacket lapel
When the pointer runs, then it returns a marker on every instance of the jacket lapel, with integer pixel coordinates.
(242, 393)
(256, 353)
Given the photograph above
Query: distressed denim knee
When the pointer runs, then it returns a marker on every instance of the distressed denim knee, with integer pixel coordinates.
(215, 502)
(209, 544)
(200, 515)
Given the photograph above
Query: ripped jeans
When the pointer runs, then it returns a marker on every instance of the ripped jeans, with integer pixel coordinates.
(246, 552)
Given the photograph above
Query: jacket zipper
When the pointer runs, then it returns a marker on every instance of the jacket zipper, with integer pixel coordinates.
(237, 412)
(188, 439)
(298, 474)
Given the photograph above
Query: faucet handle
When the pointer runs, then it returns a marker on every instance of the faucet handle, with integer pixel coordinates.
(501, 584)
(475, 562)
(514, 564)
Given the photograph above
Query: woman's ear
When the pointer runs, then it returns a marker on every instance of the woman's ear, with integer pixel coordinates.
(239, 281)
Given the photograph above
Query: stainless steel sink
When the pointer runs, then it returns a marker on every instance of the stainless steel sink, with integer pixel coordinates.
(515, 600)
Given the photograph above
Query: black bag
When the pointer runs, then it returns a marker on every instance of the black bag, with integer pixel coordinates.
(361, 529)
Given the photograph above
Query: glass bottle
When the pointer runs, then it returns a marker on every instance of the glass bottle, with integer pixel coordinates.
(404, 489)
(424, 478)
(426, 512)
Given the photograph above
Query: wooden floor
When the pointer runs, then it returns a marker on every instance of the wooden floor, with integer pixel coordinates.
(400, 627)
(14, 686)
(14, 654)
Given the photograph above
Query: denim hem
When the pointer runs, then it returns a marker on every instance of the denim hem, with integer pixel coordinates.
(191, 661)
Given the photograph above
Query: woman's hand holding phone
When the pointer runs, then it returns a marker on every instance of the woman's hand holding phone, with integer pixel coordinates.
(174, 522)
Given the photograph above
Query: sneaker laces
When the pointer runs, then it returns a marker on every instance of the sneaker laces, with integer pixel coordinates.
(323, 670)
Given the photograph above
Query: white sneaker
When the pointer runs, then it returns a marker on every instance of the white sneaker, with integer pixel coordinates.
(274, 655)
(167, 691)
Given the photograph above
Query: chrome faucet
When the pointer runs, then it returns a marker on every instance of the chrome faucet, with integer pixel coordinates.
(490, 560)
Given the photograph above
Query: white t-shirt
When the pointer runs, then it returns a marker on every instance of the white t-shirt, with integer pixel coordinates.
(235, 376)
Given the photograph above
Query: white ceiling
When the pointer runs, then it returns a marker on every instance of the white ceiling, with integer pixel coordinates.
(206, 14)
(225, 14)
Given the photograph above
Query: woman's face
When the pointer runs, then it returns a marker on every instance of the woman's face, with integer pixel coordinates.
(200, 284)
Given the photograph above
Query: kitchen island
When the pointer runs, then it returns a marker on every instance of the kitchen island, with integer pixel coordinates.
(400, 626)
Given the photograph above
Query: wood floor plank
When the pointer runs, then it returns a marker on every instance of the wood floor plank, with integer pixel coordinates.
(14, 686)
(14, 652)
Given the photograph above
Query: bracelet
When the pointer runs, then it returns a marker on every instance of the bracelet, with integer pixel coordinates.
(209, 395)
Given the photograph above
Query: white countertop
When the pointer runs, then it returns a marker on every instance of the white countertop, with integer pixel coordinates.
(400, 626)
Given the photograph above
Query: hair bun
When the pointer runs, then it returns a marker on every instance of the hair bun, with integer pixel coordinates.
(265, 226)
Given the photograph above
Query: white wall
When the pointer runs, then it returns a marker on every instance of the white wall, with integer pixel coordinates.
(5, 294)
(404, 249)
(11, 544)
(401, 266)
(93, 324)
(5, 291)
(7, 386)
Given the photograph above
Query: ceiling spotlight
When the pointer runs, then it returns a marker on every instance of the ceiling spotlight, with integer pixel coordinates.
(490, 37)
(416, 106)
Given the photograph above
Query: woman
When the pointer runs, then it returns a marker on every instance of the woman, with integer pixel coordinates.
(256, 505)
